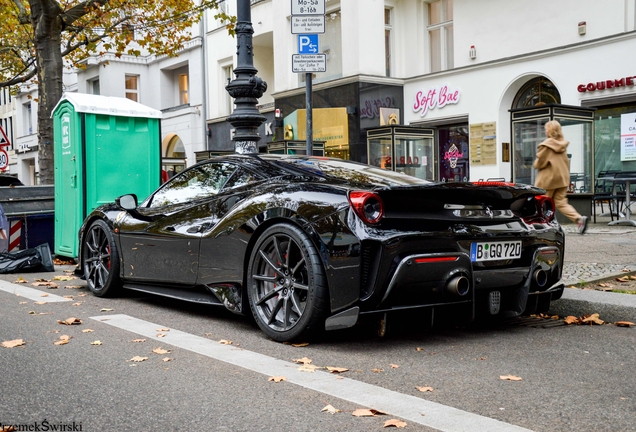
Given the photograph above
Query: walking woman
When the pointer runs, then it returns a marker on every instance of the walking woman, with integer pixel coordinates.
(554, 172)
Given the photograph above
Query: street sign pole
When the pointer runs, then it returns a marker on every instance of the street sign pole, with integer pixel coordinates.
(308, 16)
(309, 111)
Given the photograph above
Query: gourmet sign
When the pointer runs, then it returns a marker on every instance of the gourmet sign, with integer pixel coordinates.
(607, 84)
(434, 98)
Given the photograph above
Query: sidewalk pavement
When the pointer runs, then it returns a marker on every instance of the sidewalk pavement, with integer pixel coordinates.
(602, 252)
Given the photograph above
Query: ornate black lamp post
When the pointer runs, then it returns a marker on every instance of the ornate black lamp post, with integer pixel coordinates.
(246, 87)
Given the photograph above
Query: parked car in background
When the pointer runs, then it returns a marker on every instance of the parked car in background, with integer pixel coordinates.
(307, 244)
(7, 180)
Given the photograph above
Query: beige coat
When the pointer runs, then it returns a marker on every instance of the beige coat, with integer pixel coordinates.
(553, 164)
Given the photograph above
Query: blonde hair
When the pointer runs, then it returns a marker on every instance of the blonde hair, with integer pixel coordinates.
(553, 130)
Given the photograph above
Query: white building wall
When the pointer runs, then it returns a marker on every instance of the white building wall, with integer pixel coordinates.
(504, 28)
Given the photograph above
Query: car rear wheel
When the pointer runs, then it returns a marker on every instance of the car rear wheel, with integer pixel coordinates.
(286, 284)
(100, 260)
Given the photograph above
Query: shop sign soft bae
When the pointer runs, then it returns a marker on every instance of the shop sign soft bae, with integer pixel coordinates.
(434, 98)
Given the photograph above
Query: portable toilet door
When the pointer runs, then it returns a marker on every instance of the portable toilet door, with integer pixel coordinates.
(105, 147)
(68, 153)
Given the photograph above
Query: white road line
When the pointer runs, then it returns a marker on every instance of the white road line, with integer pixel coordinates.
(408, 407)
(30, 293)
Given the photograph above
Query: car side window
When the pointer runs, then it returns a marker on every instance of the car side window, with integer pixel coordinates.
(241, 177)
(199, 182)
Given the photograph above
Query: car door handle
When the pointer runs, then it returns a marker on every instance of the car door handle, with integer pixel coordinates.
(198, 228)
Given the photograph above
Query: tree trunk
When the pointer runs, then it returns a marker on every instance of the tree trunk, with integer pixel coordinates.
(47, 26)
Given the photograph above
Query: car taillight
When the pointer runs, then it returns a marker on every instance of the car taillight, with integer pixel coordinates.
(545, 207)
(367, 205)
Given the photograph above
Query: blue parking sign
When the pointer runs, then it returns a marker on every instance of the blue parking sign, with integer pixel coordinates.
(307, 44)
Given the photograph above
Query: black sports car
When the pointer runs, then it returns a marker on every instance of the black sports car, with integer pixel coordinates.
(315, 243)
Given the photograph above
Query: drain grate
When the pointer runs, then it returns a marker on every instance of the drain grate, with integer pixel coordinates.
(536, 322)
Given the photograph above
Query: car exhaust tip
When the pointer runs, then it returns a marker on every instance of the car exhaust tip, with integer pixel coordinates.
(459, 286)
(540, 277)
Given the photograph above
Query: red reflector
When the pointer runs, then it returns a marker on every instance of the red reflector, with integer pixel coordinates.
(492, 183)
(548, 252)
(435, 259)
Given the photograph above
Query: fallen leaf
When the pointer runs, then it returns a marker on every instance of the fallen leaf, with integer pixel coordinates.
(394, 423)
(419, 349)
(632, 277)
(604, 285)
(138, 340)
(70, 321)
(300, 345)
(303, 360)
(308, 368)
(277, 379)
(63, 278)
(63, 340)
(622, 279)
(161, 335)
(571, 320)
(106, 310)
(510, 378)
(48, 284)
(424, 389)
(163, 329)
(225, 342)
(160, 351)
(73, 287)
(166, 359)
(88, 331)
(377, 370)
(394, 366)
(77, 304)
(624, 323)
(138, 359)
(96, 343)
(330, 409)
(21, 280)
(23, 303)
(364, 412)
(593, 319)
(44, 295)
(336, 370)
(39, 303)
(13, 343)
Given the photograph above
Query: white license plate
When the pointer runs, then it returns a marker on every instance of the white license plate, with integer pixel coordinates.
(491, 251)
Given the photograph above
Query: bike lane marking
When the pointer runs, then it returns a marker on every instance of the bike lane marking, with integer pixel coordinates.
(411, 408)
(30, 293)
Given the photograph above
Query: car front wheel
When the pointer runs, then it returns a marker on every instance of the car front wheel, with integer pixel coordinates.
(100, 260)
(286, 284)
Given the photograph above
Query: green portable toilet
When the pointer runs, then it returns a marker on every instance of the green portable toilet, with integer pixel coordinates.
(104, 147)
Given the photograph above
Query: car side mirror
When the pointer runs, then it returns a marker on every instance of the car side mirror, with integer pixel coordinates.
(127, 202)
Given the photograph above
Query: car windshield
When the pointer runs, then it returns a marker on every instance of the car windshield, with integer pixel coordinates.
(347, 170)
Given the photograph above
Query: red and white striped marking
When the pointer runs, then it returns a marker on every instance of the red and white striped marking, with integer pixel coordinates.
(15, 232)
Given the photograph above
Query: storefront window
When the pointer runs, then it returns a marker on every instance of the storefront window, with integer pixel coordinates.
(403, 149)
(453, 153)
(527, 136)
(415, 157)
(607, 136)
(528, 130)
(380, 153)
(579, 152)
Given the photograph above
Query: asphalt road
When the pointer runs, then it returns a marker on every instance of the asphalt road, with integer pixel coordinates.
(572, 377)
